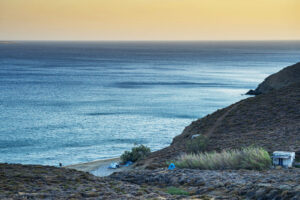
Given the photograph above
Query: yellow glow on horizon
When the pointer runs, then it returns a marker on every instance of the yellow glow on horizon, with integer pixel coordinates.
(149, 19)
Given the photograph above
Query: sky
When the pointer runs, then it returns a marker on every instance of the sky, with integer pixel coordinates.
(149, 19)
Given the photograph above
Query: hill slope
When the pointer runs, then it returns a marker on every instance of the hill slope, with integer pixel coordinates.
(283, 78)
(270, 120)
(47, 182)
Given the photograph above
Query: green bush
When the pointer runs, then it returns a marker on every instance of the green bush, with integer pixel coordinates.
(247, 158)
(176, 191)
(136, 153)
(197, 144)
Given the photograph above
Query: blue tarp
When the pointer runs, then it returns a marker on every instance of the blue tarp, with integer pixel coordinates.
(128, 163)
(171, 166)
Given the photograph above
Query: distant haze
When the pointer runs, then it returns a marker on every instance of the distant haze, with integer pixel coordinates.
(149, 19)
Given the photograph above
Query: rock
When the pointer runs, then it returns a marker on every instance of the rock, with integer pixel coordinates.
(271, 194)
(252, 92)
(90, 194)
(278, 167)
(297, 188)
(260, 193)
(284, 187)
(264, 185)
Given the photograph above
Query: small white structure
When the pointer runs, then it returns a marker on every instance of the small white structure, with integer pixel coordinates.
(283, 158)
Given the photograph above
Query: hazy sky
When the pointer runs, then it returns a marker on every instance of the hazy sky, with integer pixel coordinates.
(149, 19)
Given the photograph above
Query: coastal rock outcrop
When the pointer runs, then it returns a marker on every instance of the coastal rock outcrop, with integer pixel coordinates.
(283, 78)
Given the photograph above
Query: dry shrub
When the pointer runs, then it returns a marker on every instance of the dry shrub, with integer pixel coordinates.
(246, 158)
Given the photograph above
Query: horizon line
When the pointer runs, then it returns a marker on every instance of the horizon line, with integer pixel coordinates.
(217, 40)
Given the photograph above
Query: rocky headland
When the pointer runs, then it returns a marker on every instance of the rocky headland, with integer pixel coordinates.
(283, 78)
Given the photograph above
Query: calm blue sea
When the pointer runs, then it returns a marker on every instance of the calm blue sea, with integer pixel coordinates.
(73, 102)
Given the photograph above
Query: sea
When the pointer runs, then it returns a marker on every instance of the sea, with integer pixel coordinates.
(72, 102)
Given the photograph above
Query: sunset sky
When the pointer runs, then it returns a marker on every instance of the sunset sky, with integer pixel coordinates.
(149, 19)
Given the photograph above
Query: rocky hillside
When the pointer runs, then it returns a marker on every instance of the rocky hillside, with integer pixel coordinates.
(270, 120)
(45, 182)
(283, 78)
(225, 184)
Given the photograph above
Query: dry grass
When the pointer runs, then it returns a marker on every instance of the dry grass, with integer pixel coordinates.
(247, 158)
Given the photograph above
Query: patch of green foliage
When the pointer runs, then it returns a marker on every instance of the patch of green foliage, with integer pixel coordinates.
(197, 144)
(177, 191)
(246, 158)
(136, 153)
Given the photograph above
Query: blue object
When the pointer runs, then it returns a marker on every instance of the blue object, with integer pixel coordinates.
(171, 166)
(128, 163)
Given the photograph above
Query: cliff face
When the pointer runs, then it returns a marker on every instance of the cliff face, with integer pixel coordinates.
(283, 78)
(270, 120)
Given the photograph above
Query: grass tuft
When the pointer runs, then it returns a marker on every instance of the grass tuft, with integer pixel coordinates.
(177, 191)
(246, 158)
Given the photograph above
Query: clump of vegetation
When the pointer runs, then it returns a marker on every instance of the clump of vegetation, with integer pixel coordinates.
(136, 153)
(197, 144)
(176, 191)
(297, 162)
(246, 158)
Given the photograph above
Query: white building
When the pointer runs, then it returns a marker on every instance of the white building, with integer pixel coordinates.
(283, 158)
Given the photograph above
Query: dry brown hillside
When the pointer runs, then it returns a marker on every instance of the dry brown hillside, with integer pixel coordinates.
(283, 78)
(270, 120)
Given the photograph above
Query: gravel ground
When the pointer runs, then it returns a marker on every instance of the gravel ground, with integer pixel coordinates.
(46, 182)
(225, 184)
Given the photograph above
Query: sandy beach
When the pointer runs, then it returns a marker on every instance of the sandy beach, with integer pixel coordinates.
(98, 167)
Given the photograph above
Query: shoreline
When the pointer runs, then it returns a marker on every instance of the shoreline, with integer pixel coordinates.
(98, 167)
(92, 165)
